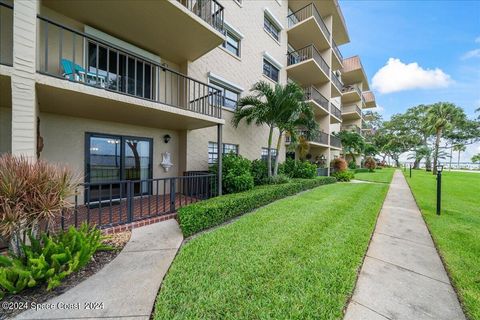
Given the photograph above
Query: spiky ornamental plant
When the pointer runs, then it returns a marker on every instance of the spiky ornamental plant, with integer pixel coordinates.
(32, 193)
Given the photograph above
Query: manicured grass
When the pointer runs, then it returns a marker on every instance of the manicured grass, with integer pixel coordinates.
(384, 175)
(457, 230)
(296, 258)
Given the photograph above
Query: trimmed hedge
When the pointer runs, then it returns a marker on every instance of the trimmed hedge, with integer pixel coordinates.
(209, 213)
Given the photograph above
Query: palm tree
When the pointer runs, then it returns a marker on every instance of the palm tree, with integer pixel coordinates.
(352, 143)
(476, 158)
(460, 148)
(279, 107)
(442, 116)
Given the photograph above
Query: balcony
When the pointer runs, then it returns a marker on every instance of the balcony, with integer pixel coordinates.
(351, 112)
(353, 72)
(316, 100)
(306, 24)
(335, 142)
(369, 99)
(117, 85)
(6, 34)
(350, 94)
(337, 57)
(178, 31)
(335, 114)
(319, 138)
(368, 115)
(306, 66)
(352, 127)
(337, 85)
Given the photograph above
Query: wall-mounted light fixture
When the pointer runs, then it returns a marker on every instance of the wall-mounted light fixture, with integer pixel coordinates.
(166, 138)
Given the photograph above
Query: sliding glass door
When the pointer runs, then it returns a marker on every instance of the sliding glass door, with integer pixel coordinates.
(113, 161)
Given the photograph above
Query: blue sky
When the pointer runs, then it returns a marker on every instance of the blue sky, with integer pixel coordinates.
(433, 48)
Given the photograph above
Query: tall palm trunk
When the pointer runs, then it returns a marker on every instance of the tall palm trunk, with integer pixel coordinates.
(438, 136)
(428, 162)
(279, 144)
(269, 152)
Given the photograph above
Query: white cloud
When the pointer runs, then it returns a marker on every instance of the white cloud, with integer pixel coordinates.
(378, 109)
(477, 39)
(398, 76)
(475, 53)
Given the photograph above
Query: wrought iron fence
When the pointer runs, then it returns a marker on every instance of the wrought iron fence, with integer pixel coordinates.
(336, 81)
(306, 53)
(322, 172)
(109, 204)
(337, 51)
(78, 57)
(335, 141)
(335, 111)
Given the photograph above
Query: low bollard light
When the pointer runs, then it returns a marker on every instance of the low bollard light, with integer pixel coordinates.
(439, 188)
(410, 170)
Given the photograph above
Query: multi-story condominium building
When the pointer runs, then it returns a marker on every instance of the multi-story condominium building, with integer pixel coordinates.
(130, 94)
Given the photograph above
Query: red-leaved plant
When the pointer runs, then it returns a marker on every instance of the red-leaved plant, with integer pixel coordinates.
(339, 164)
(32, 193)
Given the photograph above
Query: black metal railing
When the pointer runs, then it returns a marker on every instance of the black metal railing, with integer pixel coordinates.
(322, 172)
(320, 137)
(337, 51)
(210, 11)
(336, 81)
(310, 10)
(335, 141)
(352, 108)
(334, 110)
(6, 34)
(78, 57)
(311, 93)
(306, 53)
(108, 204)
(352, 88)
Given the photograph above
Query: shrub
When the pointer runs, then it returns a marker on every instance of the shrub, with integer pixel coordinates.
(352, 165)
(49, 259)
(370, 164)
(31, 193)
(343, 175)
(209, 213)
(259, 172)
(278, 179)
(237, 175)
(298, 169)
(339, 164)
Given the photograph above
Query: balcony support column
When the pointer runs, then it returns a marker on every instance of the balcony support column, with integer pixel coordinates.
(24, 99)
(219, 158)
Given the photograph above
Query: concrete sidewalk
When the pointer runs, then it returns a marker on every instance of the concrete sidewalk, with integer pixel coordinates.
(127, 286)
(402, 276)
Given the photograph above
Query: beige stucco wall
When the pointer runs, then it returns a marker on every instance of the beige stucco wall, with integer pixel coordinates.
(243, 72)
(64, 140)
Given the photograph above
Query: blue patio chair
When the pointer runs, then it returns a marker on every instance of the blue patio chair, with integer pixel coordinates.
(76, 72)
(69, 71)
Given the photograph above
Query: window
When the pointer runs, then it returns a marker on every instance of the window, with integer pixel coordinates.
(229, 97)
(232, 43)
(111, 159)
(213, 151)
(271, 28)
(265, 154)
(270, 70)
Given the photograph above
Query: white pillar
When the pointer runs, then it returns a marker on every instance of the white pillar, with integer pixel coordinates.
(24, 99)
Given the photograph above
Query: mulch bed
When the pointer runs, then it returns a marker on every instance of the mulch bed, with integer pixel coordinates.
(40, 294)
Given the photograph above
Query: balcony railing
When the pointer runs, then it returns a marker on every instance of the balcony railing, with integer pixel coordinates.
(336, 81)
(318, 137)
(306, 53)
(210, 11)
(335, 141)
(337, 50)
(352, 127)
(78, 57)
(334, 110)
(352, 88)
(352, 108)
(108, 204)
(306, 12)
(311, 93)
(6, 34)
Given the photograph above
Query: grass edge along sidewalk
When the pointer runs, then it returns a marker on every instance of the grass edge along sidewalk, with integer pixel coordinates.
(296, 258)
(456, 232)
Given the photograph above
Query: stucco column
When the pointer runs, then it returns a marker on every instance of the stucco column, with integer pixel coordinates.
(24, 99)
(219, 158)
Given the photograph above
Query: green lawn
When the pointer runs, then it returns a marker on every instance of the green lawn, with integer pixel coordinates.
(294, 259)
(384, 175)
(457, 231)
